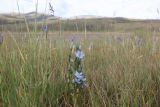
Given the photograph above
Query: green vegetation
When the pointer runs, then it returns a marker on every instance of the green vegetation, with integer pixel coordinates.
(119, 72)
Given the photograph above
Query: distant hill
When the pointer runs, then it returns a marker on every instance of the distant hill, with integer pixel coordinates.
(86, 17)
(77, 23)
(30, 17)
(9, 19)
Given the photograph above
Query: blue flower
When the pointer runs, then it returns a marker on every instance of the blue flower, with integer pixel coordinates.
(45, 28)
(79, 78)
(79, 54)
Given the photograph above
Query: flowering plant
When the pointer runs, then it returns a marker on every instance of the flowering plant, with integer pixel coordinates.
(76, 76)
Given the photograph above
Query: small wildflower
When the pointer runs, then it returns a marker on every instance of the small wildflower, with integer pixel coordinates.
(45, 28)
(79, 75)
(79, 78)
(79, 54)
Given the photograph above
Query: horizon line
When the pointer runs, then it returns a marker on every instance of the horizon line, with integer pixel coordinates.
(74, 17)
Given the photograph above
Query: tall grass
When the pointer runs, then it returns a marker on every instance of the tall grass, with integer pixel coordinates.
(120, 74)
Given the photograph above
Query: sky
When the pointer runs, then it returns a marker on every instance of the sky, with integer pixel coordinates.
(137, 9)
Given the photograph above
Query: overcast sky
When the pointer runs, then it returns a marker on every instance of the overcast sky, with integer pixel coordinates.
(144, 9)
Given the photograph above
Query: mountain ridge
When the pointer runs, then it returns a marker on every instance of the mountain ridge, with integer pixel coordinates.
(9, 18)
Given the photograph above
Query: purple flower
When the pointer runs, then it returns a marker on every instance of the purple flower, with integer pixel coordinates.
(45, 28)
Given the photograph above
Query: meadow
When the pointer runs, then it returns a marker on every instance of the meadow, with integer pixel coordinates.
(122, 69)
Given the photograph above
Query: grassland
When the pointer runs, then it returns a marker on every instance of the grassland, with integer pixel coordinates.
(121, 66)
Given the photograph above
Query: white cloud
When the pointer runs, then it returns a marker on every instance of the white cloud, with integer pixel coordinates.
(69, 8)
